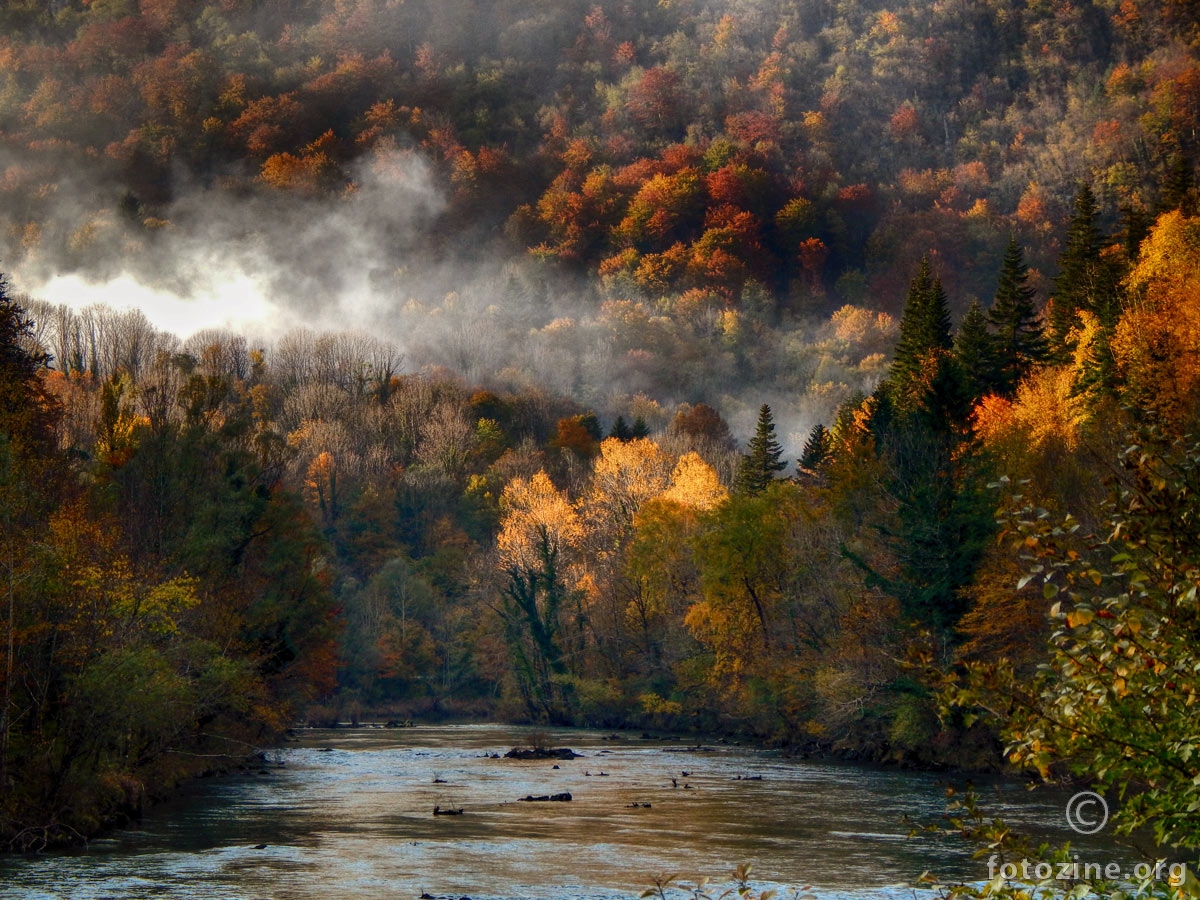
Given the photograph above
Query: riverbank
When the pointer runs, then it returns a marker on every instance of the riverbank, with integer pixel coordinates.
(923, 743)
(116, 800)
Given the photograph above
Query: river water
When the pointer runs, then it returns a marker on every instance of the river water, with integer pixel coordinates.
(347, 814)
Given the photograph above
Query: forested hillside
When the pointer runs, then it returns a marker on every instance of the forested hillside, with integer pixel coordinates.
(789, 369)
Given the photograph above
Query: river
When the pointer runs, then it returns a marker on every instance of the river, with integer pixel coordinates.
(346, 814)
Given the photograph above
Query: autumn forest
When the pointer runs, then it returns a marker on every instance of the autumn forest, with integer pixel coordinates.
(820, 372)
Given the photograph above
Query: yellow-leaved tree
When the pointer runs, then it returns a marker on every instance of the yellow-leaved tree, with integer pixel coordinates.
(695, 484)
(1157, 341)
(660, 572)
(536, 517)
(625, 476)
(538, 525)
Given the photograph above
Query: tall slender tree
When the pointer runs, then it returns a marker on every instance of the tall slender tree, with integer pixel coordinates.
(1019, 338)
(815, 451)
(925, 378)
(1084, 280)
(975, 350)
(1178, 188)
(763, 458)
(924, 326)
(938, 516)
(621, 430)
(28, 415)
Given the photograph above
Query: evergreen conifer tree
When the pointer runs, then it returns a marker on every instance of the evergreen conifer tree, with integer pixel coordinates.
(941, 514)
(925, 378)
(1178, 189)
(815, 451)
(620, 430)
(1084, 280)
(1019, 340)
(924, 325)
(764, 456)
(1135, 226)
(975, 350)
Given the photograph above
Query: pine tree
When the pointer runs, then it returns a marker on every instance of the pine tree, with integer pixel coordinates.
(925, 379)
(975, 350)
(943, 519)
(591, 425)
(1135, 226)
(1075, 268)
(620, 430)
(924, 326)
(640, 428)
(1019, 341)
(1178, 190)
(1084, 280)
(815, 451)
(940, 515)
(764, 456)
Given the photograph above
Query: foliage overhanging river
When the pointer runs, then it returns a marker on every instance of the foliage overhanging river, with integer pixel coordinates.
(356, 821)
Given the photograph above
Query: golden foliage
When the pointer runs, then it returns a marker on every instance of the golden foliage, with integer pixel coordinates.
(1032, 208)
(626, 475)
(993, 418)
(659, 561)
(533, 511)
(315, 169)
(732, 632)
(1004, 623)
(695, 484)
(320, 483)
(1046, 409)
(105, 599)
(864, 329)
(655, 705)
(1157, 341)
(1169, 261)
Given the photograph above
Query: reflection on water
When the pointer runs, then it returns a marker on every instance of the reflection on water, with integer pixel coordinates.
(355, 822)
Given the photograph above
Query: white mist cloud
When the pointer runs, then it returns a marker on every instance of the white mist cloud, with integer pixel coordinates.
(261, 263)
(236, 301)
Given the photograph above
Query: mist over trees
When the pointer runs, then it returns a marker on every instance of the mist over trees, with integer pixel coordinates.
(705, 183)
(640, 364)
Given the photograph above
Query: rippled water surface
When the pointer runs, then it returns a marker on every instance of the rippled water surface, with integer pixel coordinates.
(347, 815)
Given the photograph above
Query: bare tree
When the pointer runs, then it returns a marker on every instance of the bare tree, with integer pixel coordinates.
(41, 314)
(447, 439)
(218, 351)
(357, 363)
